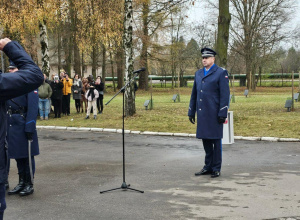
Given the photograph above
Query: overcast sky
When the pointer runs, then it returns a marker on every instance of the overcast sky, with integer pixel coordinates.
(201, 12)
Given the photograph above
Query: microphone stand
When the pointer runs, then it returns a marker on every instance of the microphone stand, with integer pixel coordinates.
(124, 186)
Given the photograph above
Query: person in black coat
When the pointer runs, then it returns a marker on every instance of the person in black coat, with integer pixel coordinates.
(76, 91)
(26, 79)
(210, 99)
(99, 85)
(57, 94)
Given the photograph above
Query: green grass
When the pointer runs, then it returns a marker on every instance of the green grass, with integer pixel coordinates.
(261, 114)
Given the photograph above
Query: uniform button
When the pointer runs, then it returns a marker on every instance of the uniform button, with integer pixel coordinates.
(200, 100)
(10, 125)
(199, 109)
(202, 81)
(201, 90)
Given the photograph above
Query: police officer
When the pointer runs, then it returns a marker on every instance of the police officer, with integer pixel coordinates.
(21, 128)
(28, 78)
(209, 99)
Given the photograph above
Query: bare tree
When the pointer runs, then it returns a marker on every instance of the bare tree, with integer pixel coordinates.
(256, 28)
(154, 14)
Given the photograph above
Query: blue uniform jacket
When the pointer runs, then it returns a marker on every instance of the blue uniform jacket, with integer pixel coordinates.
(18, 124)
(210, 99)
(28, 78)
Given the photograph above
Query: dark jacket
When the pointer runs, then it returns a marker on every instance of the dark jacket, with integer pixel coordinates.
(57, 89)
(18, 124)
(100, 88)
(210, 99)
(28, 78)
(77, 86)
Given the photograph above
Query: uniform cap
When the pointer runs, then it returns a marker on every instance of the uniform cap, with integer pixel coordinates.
(207, 52)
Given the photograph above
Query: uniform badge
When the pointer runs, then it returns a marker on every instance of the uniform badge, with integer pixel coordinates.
(35, 91)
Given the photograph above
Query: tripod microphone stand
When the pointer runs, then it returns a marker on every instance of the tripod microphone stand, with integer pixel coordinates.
(124, 185)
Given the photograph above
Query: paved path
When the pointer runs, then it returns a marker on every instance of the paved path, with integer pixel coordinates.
(260, 180)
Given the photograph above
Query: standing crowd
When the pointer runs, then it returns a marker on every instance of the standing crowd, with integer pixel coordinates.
(57, 91)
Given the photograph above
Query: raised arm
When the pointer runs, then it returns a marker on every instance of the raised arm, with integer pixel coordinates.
(26, 79)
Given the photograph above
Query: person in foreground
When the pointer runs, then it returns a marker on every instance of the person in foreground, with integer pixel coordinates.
(22, 112)
(28, 78)
(209, 99)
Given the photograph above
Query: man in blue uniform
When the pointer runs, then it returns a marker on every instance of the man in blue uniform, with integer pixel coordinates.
(210, 98)
(28, 78)
(22, 112)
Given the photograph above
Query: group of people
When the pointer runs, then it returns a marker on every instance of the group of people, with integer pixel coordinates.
(58, 91)
(25, 87)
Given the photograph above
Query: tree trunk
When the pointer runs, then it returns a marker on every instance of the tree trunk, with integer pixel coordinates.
(77, 60)
(68, 66)
(143, 78)
(82, 65)
(127, 39)
(59, 66)
(103, 63)
(44, 47)
(94, 61)
(120, 67)
(112, 70)
(223, 32)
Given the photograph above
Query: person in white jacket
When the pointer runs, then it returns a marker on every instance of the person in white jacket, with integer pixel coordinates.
(91, 95)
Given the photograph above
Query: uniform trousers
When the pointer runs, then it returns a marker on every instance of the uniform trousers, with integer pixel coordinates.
(213, 154)
(23, 165)
(2, 200)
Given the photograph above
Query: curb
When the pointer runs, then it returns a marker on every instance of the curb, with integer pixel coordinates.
(269, 139)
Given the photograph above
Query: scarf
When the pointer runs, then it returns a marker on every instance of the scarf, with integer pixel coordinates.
(91, 92)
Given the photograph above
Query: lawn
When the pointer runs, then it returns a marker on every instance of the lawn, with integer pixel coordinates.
(262, 113)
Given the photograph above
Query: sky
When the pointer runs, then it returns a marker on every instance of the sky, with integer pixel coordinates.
(200, 12)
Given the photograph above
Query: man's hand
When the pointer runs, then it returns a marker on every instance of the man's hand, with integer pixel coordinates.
(221, 120)
(29, 135)
(192, 119)
(3, 42)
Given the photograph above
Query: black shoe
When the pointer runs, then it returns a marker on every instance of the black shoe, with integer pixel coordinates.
(28, 189)
(203, 172)
(215, 174)
(87, 117)
(19, 187)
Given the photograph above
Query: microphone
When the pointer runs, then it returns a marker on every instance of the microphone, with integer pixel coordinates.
(140, 70)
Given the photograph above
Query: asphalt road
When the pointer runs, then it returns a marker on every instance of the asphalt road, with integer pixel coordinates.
(259, 180)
